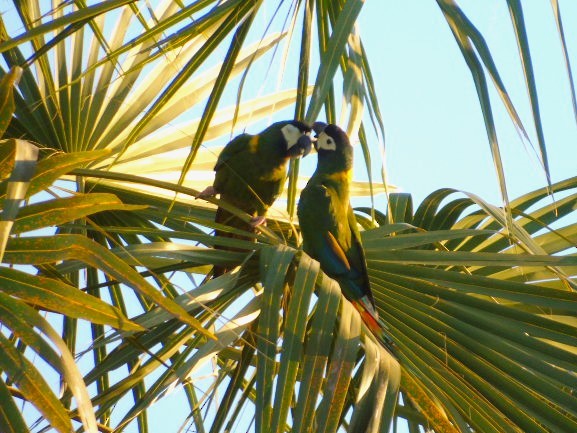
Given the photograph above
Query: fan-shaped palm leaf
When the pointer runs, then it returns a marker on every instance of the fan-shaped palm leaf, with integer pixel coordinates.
(126, 100)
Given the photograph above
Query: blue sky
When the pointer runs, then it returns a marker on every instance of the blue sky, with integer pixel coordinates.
(435, 134)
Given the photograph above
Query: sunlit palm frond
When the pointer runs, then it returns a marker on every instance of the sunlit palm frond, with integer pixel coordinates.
(130, 103)
(474, 305)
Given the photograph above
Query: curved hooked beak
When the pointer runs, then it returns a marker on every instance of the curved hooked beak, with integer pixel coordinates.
(319, 127)
(305, 142)
(302, 147)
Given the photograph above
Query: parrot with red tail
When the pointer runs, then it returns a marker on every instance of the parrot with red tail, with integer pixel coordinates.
(329, 228)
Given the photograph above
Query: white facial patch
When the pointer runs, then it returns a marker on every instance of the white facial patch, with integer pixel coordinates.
(326, 142)
(291, 135)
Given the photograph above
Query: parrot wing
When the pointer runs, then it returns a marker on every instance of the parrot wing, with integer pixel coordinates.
(357, 255)
(317, 218)
(232, 150)
(230, 163)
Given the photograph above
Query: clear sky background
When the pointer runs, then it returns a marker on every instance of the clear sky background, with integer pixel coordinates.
(435, 133)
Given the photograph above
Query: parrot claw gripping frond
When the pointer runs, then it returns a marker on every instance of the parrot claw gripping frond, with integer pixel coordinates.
(209, 191)
(257, 221)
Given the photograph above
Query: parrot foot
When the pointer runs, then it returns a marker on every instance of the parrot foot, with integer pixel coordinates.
(209, 191)
(256, 221)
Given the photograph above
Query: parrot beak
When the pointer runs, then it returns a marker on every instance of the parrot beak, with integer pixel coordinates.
(302, 147)
(305, 143)
(319, 127)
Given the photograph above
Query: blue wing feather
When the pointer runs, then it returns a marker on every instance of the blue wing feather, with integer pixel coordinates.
(331, 236)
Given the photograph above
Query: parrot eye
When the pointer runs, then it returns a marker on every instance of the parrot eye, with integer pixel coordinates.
(325, 142)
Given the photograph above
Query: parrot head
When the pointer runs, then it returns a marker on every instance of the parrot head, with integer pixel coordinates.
(297, 136)
(334, 149)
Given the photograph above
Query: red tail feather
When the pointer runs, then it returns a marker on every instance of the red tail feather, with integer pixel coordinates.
(375, 326)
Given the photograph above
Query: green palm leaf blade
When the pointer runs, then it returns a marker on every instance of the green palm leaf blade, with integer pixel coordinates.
(185, 371)
(317, 352)
(7, 105)
(54, 295)
(7, 158)
(218, 88)
(559, 22)
(423, 362)
(274, 262)
(479, 298)
(129, 101)
(132, 97)
(317, 347)
(501, 321)
(176, 141)
(33, 386)
(340, 368)
(515, 292)
(184, 74)
(331, 56)
(11, 420)
(373, 106)
(516, 12)
(129, 352)
(109, 100)
(237, 384)
(401, 208)
(354, 89)
(195, 299)
(158, 254)
(519, 231)
(510, 382)
(172, 337)
(38, 250)
(463, 26)
(428, 215)
(35, 113)
(80, 15)
(376, 239)
(18, 317)
(216, 14)
(59, 211)
(378, 390)
(21, 156)
(135, 381)
(302, 86)
(54, 167)
(293, 340)
(196, 91)
(522, 338)
(465, 34)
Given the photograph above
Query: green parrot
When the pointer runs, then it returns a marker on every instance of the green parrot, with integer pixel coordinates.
(251, 171)
(329, 228)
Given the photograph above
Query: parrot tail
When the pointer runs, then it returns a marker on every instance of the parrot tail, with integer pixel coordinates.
(376, 326)
(225, 217)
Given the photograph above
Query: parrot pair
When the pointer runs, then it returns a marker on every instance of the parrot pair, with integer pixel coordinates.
(250, 174)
